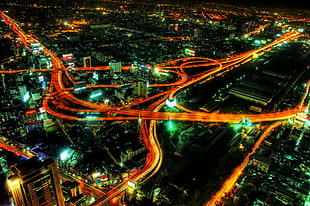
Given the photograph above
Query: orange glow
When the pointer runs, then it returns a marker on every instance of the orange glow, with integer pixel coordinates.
(61, 96)
(79, 22)
(241, 147)
(259, 29)
(114, 201)
(231, 181)
(31, 111)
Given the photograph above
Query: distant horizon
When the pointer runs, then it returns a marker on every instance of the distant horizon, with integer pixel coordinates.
(271, 3)
(297, 4)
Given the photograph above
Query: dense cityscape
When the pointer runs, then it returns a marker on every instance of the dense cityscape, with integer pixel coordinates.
(169, 103)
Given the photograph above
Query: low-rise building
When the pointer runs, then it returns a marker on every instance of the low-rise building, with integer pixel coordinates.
(261, 162)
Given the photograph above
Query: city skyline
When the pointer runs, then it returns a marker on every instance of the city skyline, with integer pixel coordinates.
(157, 103)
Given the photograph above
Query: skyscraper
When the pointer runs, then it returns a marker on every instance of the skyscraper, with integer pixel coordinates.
(116, 67)
(35, 183)
(141, 88)
(196, 33)
(87, 61)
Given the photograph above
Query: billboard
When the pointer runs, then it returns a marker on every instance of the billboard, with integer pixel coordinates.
(190, 52)
(71, 65)
(67, 56)
(79, 86)
(35, 45)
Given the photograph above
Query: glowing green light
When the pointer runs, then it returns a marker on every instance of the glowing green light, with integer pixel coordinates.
(257, 42)
(170, 125)
(92, 200)
(95, 95)
(190, 52)
(64, 155)
(237, 126)
(307, 202)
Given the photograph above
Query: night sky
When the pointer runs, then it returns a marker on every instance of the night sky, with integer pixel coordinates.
(272, 3)
(289, 4)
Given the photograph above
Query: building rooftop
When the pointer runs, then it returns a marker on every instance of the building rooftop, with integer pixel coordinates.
(30, 166)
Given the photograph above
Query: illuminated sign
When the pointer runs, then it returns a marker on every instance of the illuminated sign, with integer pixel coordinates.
(95, 175)
(95, 94)
(36, 51)
(41, 78)
(35, 45)
(67, 56)
(190, 52)
(30, 111)
(104, 176)
(71, 65)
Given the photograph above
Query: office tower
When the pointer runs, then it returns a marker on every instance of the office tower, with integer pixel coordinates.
(116, 67)
(196, 33)
(87, 61)
(35, 183)
(141, 88)
(73, 193)
(24, 94)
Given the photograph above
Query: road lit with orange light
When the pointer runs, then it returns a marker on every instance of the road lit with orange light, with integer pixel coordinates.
(9, 146)
(231, 181)
(62, 103)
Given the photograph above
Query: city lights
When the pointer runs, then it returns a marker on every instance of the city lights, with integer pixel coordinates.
(14, 182)
(171, 103)
(190, 52)
(64, 155)
(95, 94)
(147, 93)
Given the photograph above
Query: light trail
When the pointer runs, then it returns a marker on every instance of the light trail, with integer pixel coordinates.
(231, 181)
(61, 97)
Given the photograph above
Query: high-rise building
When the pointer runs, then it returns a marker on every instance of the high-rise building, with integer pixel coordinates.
(35, 183)
(32, 121)
(24, 94)
(87, 61)
(73, 193)
(116, 67)
(196, 33)
(141, 88)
